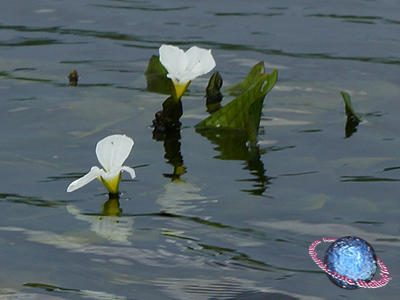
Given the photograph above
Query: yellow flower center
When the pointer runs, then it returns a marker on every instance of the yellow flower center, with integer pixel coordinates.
(112, 184)
(180, 89)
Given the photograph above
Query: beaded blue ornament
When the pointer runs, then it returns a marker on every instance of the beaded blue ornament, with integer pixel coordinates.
(350, 263)
(352, 257)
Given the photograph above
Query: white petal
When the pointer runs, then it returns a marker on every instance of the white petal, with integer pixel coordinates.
(173, 59)
(115, 172)
(200, 61)
(94, 173)
(181, 78)
(112, 174)
(130, 170)
(183, 66)
(113, 150)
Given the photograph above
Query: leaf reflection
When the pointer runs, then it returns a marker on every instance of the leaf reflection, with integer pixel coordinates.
(172, 148)
(232, 145)
(256, 168)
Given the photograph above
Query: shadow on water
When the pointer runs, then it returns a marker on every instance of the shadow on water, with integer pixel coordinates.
(143, 7)
(62, 290)
(35, 201)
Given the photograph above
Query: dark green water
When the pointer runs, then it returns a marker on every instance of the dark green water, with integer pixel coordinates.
(238, 224)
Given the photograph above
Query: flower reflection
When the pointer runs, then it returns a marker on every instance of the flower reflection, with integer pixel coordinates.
(178, 193)
(108, 225)
(184, 66)
(178, 196)
(111, 152)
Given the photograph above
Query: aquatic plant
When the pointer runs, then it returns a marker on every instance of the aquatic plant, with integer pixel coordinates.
(111, 152)
(183, 67)
(73, 78)
(244, 112)
(353, 119)
(349, 107)
(213, 93)
(171, 74)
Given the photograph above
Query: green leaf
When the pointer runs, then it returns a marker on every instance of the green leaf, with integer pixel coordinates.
(213, 93)
(353, 118)
(349, 107)
(244, 112)
(214, 85)
(254, 76)
(157, 80)
(155, 67)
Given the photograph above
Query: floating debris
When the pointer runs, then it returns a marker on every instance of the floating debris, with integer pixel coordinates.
(73, 78)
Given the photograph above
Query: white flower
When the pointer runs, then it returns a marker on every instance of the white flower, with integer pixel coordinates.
(183, 66)
(111, 152)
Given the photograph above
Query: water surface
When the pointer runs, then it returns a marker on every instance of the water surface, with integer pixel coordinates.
(238, 224)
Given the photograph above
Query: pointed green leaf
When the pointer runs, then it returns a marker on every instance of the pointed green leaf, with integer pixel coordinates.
(155, 67)
(214, 85)
(254, 76)
(244, 112)
(353, 118)
(157, 80)
(349, 107)
(213, 93)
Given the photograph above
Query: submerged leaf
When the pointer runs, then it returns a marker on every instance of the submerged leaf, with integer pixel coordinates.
(244, 112)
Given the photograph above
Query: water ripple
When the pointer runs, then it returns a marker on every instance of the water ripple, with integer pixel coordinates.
(356, 19)
(29, 42)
